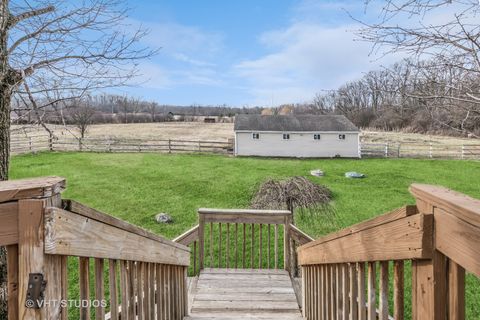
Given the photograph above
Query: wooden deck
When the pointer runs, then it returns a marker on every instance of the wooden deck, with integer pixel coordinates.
(232, 294)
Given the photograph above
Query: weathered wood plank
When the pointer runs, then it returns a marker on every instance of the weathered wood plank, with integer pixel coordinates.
(383, 303)
(77, 207)
(99, 289)
(188, 237)
(398, 290)
(44, 187)
(112, 267)
(372, 294)
(244, 218)
(458, 240)
(405, 238)
(12, 281)
(299, 236)
(456, 291)
(70, 234)
(84, 280)
(455, 203)
(374, 222)
(9, 225)
(362, 310)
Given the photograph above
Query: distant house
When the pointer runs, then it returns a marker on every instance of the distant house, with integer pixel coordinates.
(305, 136)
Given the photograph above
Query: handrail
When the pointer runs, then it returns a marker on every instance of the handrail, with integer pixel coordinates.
(299, 236)
(440, 236)
(188, 237)
(398, 235)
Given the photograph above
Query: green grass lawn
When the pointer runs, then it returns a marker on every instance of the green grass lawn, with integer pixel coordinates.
(135, 187)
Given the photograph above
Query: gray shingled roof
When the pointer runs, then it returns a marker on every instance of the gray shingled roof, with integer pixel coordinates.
(293, 123)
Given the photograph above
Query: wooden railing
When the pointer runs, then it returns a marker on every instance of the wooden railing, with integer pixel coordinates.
(440, 236)
(244, 238)
(146, 277)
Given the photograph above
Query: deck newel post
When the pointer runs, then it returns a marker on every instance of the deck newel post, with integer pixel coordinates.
(287, 254)
(429, 279)
(201, 240)
(32, 259)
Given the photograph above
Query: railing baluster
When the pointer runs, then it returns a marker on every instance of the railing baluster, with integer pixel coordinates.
(346, 290)
(84, 278)
(227, 248)
(131, 295)
(152, 290)
(260, 246)
(339, 291)
(313, 294)
(211, 244)
(244, 245)
(372, 295)
(220, 245)
(276, 246)
(398, 293)
(323, 271)
(99, 290)
(252, 247)
(146, 289)
(353, 292)
(269, 249)
(158, 291)
(383, 303)
(139, 271)
(124, 290)
(328, 299)
(195, 258)
(236, 245)
(112, 282)
(362, 311)
(333, 292)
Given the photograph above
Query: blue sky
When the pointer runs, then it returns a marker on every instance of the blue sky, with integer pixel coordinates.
(248, 53)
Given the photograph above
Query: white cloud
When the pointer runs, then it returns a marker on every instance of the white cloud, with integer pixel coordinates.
(305, 58)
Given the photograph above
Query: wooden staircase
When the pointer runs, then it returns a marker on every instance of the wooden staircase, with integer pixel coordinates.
(233, 294)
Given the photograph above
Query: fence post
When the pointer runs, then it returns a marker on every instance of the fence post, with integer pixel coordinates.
(169, 146)
(430, 152)
(30, 143)
(80, 147)
(386, 149)
(287, 258)
(463, 151)
(398, 151)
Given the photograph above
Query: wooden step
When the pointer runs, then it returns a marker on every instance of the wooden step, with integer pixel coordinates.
(233, 294)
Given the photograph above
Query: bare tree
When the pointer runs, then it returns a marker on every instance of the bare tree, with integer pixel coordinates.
(81, 115)
(452, 44)
(64, 46)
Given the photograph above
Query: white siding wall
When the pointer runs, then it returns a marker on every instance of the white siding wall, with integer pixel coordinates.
(271, 144)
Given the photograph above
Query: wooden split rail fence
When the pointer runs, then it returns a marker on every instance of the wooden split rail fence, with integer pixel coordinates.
(439, 237)
(145, 275)
(30, 144)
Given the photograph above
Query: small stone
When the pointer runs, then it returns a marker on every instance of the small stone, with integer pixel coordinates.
(317, 173)
(163, 218)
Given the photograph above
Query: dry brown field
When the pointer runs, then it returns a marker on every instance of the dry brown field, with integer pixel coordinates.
(220, 132)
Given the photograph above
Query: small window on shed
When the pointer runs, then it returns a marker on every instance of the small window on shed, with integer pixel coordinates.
(341, 137)
(256, 136)
(286, 136)
(316, 136)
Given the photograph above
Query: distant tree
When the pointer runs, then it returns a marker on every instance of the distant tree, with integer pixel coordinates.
(81, 115)
(152, 109)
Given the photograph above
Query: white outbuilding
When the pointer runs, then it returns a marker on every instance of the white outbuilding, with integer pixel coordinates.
(302, 136)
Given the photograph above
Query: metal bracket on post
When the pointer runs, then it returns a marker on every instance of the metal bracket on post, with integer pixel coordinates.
(35, 291)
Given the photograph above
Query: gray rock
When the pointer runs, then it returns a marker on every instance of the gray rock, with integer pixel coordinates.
(163, 218)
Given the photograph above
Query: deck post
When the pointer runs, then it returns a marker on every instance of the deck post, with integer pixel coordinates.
(201, 241)
(287, 254)
(429, 279)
